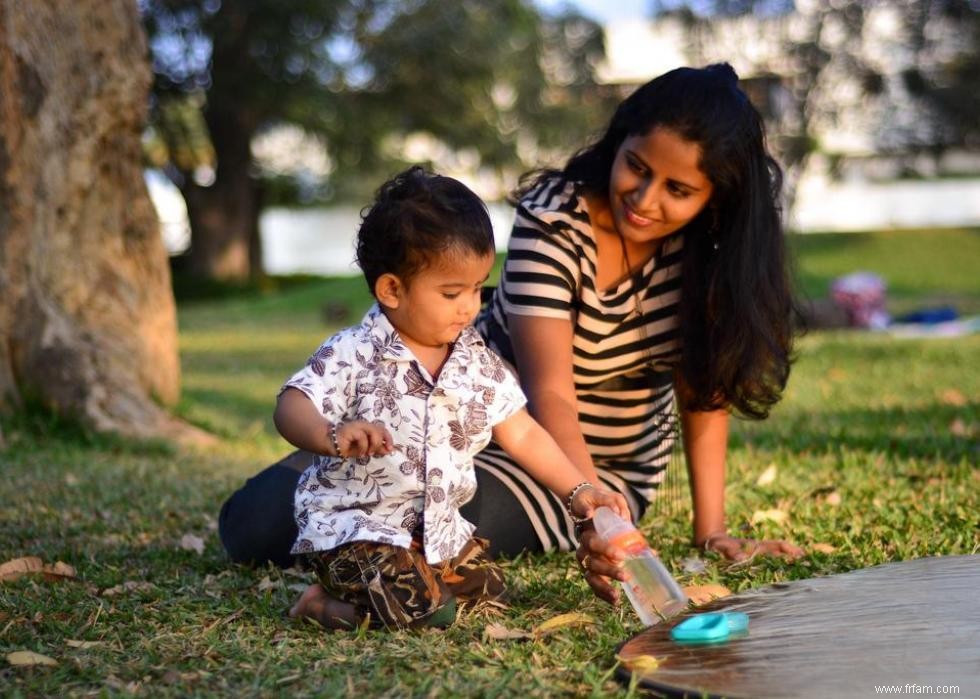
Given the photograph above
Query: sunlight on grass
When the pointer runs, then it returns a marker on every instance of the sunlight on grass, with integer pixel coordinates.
(872, 454)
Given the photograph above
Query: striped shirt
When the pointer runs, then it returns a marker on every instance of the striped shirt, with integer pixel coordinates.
(626, 342)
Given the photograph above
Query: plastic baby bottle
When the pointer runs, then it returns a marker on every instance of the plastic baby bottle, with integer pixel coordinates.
(655, 595)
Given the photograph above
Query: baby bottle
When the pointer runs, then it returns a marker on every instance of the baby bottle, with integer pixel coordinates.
(654, 594)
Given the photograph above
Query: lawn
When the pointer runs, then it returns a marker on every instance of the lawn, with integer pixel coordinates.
(870, 458)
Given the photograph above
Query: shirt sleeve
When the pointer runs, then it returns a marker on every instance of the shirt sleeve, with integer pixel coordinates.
(326, 378)
(542, 272)
(502, 393)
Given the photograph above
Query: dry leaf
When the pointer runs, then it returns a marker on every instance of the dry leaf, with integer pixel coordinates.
(60, 569)
(265, 584)
(298, 587)
(776, 516)
(640, 663)
(767, 476)
(957, 428)
(561, 621)
(189, 542)
(832, 499)
(701, 594)
(824, 548)
(951, 396)
(499, 632)
(72, 643)
(11, 570)
(129, 586)
(29, 657)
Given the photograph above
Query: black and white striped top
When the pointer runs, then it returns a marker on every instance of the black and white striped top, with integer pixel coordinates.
(626, 342)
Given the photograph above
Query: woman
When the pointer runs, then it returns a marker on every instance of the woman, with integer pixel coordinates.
(651, 266)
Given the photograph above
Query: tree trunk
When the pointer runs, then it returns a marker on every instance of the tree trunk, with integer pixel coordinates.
(87, 317)
(224, 217)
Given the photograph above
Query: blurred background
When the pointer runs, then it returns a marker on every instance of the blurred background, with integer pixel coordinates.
(272, 122)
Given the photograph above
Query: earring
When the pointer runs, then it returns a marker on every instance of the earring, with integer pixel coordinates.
(713, 227)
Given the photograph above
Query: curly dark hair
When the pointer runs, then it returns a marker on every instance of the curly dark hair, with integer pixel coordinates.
(416, 216)
(737, 303)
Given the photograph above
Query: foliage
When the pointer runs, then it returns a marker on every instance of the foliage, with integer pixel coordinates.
(873, 461)
(901, 74)
(480, 86)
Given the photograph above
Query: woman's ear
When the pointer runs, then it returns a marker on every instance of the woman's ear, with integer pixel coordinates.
(388, 290)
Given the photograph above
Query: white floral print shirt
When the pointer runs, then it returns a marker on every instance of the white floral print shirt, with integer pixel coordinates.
(366, 373)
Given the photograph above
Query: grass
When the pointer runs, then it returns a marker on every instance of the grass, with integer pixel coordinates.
(875, 447)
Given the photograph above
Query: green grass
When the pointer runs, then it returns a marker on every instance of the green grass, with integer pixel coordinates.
(888, 426)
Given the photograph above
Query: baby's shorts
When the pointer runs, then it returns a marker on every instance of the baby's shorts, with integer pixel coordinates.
(397, 589)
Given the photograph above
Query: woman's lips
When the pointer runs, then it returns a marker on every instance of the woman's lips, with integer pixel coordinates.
(634, 218)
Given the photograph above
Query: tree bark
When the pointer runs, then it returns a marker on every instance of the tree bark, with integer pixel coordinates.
(87, 315)
(224, 216)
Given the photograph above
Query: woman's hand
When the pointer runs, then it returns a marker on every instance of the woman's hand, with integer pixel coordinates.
(601, 564)
(361, 438)
(736, 549)
(587, 499)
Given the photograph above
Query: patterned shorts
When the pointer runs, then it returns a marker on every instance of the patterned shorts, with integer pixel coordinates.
(398, 589)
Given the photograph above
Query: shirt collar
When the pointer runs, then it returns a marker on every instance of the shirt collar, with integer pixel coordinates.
(386, 339)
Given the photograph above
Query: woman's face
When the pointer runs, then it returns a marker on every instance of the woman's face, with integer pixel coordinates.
(656, 185)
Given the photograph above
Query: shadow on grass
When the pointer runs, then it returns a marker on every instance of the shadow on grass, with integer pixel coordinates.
(937, 431)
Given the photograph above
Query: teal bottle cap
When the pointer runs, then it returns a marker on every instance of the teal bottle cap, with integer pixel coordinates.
(710, 628)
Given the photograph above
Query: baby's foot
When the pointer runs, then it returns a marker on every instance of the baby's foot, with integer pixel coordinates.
(331, 613)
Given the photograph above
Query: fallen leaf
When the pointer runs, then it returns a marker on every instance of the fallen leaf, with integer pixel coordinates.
(693, 565)
(767, 476)
(640, 663)
(265, 584)
(701, 594)
(72, 643)
(60, 569)
(823, 548)
(298, 587)
(832, 499)
(776, 516)
(11, 570)
(190, 542)
(561, 621)
(951, 396)
(958, 428)
(499, 632)
(29, 565)
(29, 657)
(71, 480)
(129, 586)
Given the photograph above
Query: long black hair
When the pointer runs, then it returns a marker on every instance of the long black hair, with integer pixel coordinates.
(737, 305)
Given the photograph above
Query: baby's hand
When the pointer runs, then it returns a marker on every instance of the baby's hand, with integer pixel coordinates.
(361, 438)
(586, 501)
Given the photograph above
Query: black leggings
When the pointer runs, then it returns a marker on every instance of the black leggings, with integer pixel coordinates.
(256, 523)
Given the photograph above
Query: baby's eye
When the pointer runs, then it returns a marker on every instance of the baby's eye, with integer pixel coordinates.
(450, 296)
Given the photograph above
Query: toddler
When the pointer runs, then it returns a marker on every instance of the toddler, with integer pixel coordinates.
(396, 408)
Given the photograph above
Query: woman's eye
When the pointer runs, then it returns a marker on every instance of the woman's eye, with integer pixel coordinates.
(635, 166)
(678, 192)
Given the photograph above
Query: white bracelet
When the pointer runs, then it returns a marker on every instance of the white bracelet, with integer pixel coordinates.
(571, 496)
(333, 438)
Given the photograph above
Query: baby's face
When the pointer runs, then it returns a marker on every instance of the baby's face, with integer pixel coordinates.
(442, 299)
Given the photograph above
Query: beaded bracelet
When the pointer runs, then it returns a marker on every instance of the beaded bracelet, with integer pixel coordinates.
(333, 438)
(571, 496)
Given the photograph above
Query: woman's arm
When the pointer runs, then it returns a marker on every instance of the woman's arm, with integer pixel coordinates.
(705, 436)
(543, 351)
